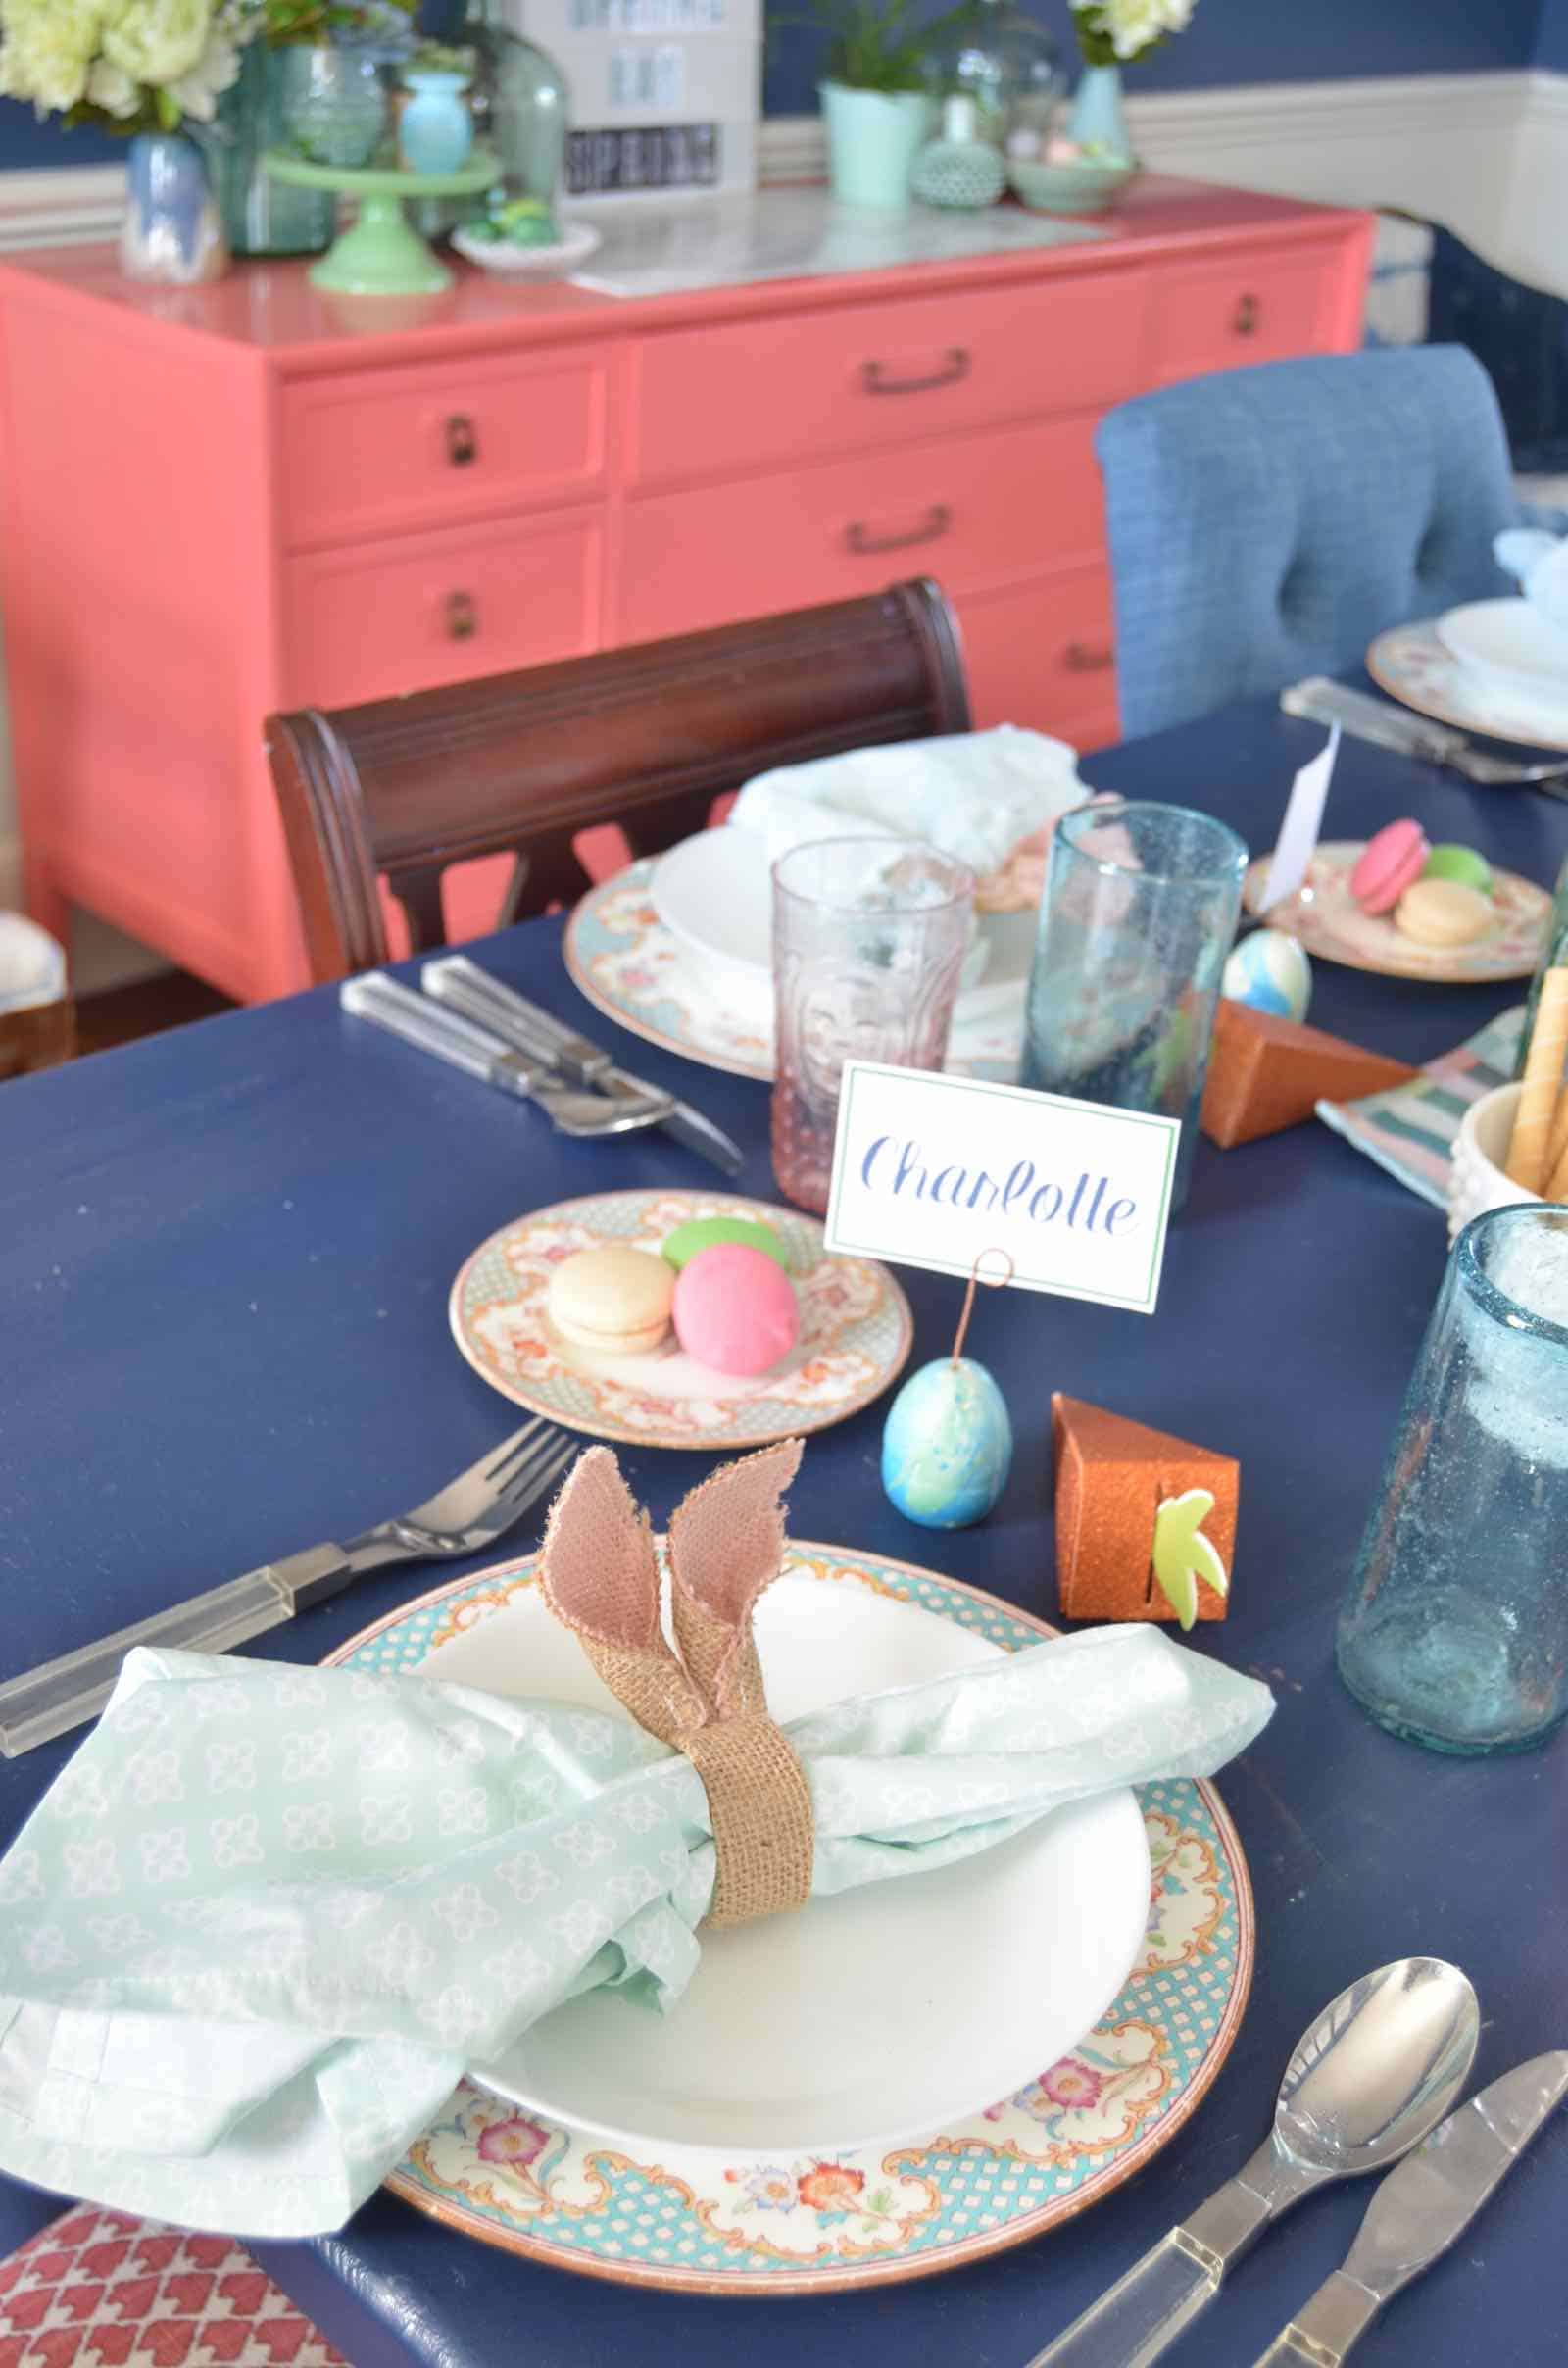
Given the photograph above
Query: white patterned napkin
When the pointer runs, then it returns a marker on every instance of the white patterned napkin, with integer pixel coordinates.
(267, 1916)
(973, 796)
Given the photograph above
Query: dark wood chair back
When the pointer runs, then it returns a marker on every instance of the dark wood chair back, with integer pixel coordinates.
(646, 737)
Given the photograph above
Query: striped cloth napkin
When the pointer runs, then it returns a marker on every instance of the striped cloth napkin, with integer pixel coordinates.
(1409, 1130)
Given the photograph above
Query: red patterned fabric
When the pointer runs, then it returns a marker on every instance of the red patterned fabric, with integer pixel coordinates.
(98, 2289)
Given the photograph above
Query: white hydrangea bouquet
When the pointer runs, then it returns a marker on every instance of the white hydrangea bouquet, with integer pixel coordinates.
(1113, 33)
(128, 65)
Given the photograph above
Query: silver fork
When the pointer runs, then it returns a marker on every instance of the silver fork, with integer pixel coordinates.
(471, 1511)
(1323, 701)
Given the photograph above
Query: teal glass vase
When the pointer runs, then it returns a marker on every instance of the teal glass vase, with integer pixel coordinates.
(1098, 121)
(1454, 1631)
(261, 216)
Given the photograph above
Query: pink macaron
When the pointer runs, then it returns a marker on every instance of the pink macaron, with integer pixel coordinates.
(735, 1310)
(1389, 863)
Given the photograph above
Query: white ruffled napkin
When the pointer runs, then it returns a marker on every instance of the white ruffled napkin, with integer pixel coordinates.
(973, 796)
(257, 1929)
(1540, 562)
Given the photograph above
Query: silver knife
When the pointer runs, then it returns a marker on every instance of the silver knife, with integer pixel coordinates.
(1321, 700)
(462, 986)
(482, 1054)
(1422, 2208)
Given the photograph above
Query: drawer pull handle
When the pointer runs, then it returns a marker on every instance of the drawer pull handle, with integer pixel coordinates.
(955, 365)
(463, 440)
(863, 543)
(1089, 658)
(462, 617)
(1245, 318)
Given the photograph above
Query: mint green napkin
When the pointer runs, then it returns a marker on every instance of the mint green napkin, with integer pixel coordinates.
(264, 1920)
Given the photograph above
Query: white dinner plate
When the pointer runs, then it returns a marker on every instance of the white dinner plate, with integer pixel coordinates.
(864, 2019)
(1413, 664)
(1508, 643)
(713, 893)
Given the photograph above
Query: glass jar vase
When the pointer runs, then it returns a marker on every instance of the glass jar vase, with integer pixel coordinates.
(993, 53)
(261, 216)
(334, 104)
(1455, 1632)
(519, 105)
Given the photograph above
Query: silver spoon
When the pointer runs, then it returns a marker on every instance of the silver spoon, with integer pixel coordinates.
(1378, 2070)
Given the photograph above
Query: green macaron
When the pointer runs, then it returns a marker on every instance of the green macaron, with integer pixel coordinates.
(1461, 863)
(700, 1233)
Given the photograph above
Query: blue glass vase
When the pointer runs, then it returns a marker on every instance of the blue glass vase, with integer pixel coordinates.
(1455, 1632)
(172, 230)
(1098, 121)
(435, 130)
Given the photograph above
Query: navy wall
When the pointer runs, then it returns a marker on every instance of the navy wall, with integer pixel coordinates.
(1228, 41)
(1552, 41)
(1262, 41)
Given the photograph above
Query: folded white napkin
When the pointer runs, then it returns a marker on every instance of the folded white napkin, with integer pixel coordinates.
(257, 1929)
(1540, 562)
(972, 795)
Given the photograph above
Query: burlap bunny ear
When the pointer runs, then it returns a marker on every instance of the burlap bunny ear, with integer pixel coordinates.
(726, 1545)
(727, 1542)
(600, 1575)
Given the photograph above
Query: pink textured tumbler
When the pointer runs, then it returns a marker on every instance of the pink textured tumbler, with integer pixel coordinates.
(869, 944)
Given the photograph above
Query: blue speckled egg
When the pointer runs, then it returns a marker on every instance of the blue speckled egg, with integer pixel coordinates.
(947, 1445)
(1270, 972)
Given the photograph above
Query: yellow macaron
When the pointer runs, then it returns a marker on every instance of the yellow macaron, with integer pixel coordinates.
(1444, 913)
(615, 1301)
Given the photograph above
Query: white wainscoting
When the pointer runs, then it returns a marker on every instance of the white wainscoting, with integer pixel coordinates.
(1485, 153)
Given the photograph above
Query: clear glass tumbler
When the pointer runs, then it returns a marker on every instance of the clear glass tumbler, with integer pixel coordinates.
(1139, 914)
(868, 942)
(1454, 1631)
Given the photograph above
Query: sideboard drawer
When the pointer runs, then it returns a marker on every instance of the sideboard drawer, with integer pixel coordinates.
(975, 511)
(1042, 655)
(380, 619)
(707, 402)
(378, 451)
(1228, 314)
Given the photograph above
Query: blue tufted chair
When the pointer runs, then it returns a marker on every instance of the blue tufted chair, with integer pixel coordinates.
(1265, 523)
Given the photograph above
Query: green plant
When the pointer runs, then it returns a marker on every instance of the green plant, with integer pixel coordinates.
(290, 23)
(873, 44)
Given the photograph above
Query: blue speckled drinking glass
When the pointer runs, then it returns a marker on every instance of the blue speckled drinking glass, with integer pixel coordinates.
(1456, 1629)
(1139, 914)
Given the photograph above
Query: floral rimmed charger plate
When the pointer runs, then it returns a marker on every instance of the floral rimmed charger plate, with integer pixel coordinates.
(1329, 921)
(688, 2221)
(625, 961)
(855, 1329)
(1411, 664)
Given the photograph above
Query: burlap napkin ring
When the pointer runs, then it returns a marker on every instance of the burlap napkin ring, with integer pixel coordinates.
(726, 1543)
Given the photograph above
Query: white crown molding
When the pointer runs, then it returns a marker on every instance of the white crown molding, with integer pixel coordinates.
(1197, 131)
(61, 206)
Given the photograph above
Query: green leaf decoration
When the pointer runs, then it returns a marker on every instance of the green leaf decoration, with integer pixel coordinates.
(1183, 1555)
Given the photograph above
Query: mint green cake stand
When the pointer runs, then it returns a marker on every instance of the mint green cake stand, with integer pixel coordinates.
(381, 253)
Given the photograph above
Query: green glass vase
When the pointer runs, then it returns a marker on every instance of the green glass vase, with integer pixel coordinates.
(261, 216)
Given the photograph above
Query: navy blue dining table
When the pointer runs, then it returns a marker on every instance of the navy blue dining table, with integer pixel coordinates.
(224, 1259)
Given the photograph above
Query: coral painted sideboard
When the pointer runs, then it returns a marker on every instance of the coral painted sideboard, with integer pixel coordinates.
(228, 500)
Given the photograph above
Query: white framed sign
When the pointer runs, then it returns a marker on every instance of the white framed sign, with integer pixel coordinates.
(932, 1171)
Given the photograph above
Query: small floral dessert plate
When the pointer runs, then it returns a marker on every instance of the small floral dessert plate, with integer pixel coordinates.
(855, 1329)
(791, 2222)
(634, 969)
(1329, 921)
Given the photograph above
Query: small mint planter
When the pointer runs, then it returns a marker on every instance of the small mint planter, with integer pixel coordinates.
(873, 137)
(1098, 120)
(436, 132)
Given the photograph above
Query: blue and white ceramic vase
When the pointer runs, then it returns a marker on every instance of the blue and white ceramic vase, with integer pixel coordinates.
(436, 130)
(172, 229)
(1098, 121)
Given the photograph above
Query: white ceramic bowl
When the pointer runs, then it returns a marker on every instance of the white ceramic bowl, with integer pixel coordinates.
(578, 241)
(1085, 186)
(1476, 1178)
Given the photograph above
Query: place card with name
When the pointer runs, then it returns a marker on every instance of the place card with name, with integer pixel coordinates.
(932, 1171)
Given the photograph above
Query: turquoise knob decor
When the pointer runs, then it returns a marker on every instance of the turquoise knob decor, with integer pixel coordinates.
(958, 169)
